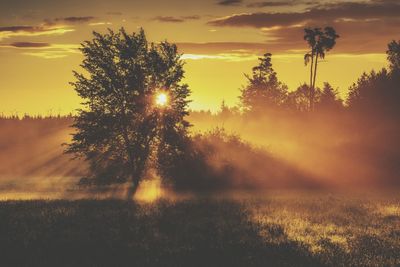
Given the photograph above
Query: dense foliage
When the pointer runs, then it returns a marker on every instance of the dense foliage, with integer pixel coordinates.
(120, 126)
(264, 90)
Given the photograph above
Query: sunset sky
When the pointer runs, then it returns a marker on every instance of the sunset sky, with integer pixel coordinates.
(220, 41)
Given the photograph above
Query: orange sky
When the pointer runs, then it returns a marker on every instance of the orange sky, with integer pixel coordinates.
(220, 41)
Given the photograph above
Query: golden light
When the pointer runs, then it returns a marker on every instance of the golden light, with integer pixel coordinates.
(161, 99)
(149, 190)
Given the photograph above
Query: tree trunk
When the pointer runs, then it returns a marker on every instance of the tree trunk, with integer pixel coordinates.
(311, 79)
(136, 177)
(315, 77)
(132, 188)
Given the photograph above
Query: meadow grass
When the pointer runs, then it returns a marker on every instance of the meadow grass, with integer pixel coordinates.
(277, 230)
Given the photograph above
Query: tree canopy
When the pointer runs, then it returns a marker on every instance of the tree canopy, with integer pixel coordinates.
(378, 93)
(120, 126)
(320, 41)
(263, 90)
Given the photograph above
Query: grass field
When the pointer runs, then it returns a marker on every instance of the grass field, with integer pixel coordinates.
(277, 230)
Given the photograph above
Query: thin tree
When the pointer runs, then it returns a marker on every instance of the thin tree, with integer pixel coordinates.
(319, 42)
(118, 128)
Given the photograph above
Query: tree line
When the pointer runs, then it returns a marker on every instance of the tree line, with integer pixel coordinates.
(122, 131)
(377, 91)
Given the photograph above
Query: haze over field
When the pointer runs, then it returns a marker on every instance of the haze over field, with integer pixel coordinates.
(289, 153)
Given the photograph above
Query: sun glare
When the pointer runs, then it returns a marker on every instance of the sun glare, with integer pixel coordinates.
(161, 99)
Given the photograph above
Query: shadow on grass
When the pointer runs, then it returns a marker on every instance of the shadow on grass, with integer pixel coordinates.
(118, 233)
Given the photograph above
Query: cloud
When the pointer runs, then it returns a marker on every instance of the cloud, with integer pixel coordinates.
(69, 20)
(267, 3)
(99, 23)
(281, 3)
(322, 13)
(231, 51)
(20, 28)
(44, 50)
(200, 56)
(222, 50)
(234, 57)
(215, 48)
(193, 17)
(28, 45)
(270, 4)
(168, 19)
(259, 20)
(229, 2)
(18, 31)
(57, 26)
(47, 54)
(176, 19)
(76, 19)
(364, 27)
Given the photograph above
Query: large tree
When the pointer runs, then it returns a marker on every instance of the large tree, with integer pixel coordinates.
(320, 41)
(125, 87)
(378, 93)
(263, 90)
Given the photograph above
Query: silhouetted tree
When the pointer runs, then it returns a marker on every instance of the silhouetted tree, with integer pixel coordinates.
(329, 99)
(120, 126)
(264, 90)
(393, 55)
(375, 94)
(319, 42)
(378, 93)
(225, 111)
(299, 100)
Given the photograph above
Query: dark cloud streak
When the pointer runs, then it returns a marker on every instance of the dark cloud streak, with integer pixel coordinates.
(287, 3)
(69, 20)
(194, 17)
(29, 45)
(21, 29)
(76, 19)
(270, 4)
(172, 19)
(229, 2)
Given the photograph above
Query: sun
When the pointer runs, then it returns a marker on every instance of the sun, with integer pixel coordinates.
(161, 99)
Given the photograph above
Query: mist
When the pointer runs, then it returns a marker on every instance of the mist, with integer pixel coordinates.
(253, 152)
(326, 150)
